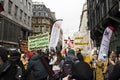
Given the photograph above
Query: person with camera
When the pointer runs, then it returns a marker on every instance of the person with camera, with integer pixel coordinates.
(115, 73)
(111, 64)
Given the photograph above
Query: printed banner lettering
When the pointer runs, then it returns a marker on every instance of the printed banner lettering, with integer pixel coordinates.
(105, 43)
(38, 42)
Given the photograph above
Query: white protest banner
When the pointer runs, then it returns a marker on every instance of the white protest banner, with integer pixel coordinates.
(55, 33)
(104, 47)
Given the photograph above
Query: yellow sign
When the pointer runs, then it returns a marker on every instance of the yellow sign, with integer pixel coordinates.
(77, 38)
(83, 43)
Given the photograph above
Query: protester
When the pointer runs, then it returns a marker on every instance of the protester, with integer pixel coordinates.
(24, 60)
(79, 55)
(8, 67)
(15, 59)
(36, 65)
(99, 70)
(55, 61)
(78, 70)
(115, 73)
(84, 68)
(98, 66)
(111, 62)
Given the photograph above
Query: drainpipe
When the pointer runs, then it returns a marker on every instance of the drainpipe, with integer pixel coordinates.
(107, 6)
(114, 18)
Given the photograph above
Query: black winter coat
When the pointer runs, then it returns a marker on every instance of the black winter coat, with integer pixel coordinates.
(7, 71)
(115, 74)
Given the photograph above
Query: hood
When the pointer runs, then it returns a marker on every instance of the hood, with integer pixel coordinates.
(71, 57)
(71, 52)
(35, 57)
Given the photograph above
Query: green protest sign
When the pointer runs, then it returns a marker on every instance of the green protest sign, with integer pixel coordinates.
(38, 42)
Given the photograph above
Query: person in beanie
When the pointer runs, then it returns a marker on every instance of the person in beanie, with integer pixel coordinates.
(68, 58)
(79, 55)
(16, 62)
(7, 72)
(36, 65)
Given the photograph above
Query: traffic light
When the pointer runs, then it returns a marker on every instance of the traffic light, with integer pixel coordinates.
(1, 7)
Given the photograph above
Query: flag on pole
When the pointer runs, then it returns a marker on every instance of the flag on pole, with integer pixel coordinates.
(55, 34)
(104, 47)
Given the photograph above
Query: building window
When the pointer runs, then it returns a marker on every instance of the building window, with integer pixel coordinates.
(26, 2)
(23, 34)
(42, 29)
(33, 20)
(10, 6)
(39, 21)
(39, 13)
(34, 13)
(43, 21)
(46, 14)
(16, 10)
(25, 16)
(42, 13)
(29, 6)
(36, 29)
(47, 29)
(47, 22)
(21, 12)
(29, 20)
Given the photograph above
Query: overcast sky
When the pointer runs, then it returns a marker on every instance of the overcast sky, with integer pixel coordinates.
(69, 11)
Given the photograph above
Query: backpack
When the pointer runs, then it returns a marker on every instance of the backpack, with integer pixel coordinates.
(67, 68)
(83, 71)
(78, 70)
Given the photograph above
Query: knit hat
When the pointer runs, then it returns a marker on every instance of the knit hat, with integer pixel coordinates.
(3, 54)
(71, 52)
(30, 54)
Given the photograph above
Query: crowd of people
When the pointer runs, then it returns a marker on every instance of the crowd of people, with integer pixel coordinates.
(51, 65)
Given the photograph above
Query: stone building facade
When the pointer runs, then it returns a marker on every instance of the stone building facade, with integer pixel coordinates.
(15, 21)
(101, 14)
